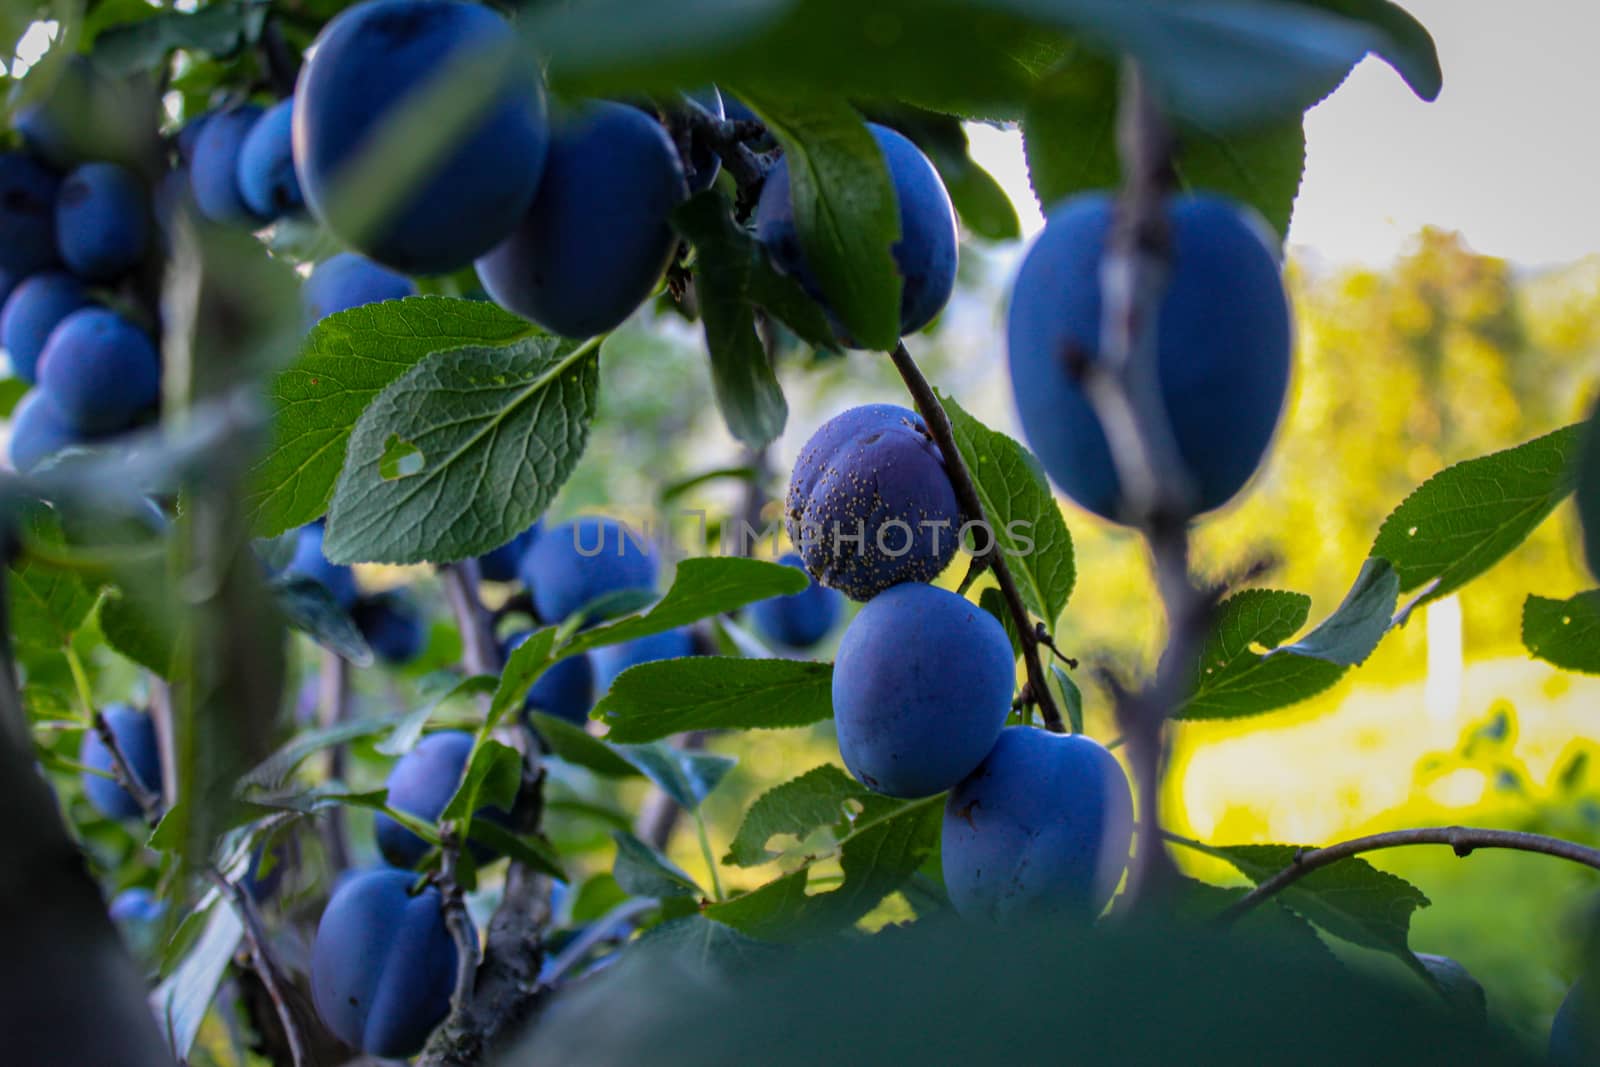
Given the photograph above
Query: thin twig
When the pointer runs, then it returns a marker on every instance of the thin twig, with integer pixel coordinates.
(727, 139)
(1123, 386)
(933, 414)
(479, 654)
(148, 800)
(457, 920)
(1463, 840)
(266, 967)
(333, 708)
(166, 738)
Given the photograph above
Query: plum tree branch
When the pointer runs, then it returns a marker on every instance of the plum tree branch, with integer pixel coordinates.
(478, 652)
(1123, 387)
(457, 920)
(944, 436)
(1463, 840)
(333, 708)
(148, 800)
(255, 939)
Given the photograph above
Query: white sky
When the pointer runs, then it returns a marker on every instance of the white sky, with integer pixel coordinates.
(1509, 155)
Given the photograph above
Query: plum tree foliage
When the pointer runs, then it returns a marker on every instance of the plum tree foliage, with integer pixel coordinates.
(312, 630)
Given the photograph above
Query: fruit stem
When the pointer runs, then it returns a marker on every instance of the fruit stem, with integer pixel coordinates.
(944, 436)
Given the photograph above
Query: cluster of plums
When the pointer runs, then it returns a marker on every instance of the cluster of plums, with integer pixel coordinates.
(923, 680)
(75, 226)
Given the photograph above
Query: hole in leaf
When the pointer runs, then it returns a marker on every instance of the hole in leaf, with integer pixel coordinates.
(1411, 532)
(400, 459)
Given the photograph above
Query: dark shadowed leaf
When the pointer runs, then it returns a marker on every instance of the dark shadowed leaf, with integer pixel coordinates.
(644, 872)
(1565, 633)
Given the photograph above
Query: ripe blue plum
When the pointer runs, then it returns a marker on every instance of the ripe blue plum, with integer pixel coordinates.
(136, 737)
(371, 65)
(383, 964)
(594, 242)
(28, 192)
(137, 906)
(921, 689)
(576, 564)
(565, 689)
(310, 562)
(214, 167)
(421, 784)
(799, 620)
(926, 253)
(38, 431)
(1222, 348)
(100, 371)
(267, 181)
(34, 308)
(1575, 1033)
(392, 625)
(870, 503)
(612, 660)
(1043, 826)
(347, 280)
(102, 221)
(500, 564)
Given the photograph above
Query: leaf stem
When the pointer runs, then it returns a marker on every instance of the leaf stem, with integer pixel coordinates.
(943, 434)
(709, 855)
(1463, 840)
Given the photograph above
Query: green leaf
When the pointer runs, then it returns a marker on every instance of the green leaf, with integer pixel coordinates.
(1464, 519)
(572, 744)
(981, 204)
(348, 359)
(1069, 133)
(408, 730)
(493, 779)
(1351, 633)
(644, 872)
(704, 945)
(816, 799)
(219, 29)
(656, 700)
(687, 777)
(888, 842)
(48, 604)
(523, 667)
(1202, 903)
(309, 607)
(533, 852)
(993, 601)
(742, 378)
(1071, 698)
(1350, 899)
(274, 771)
(463, 452)
(1023, 515)
(1408, 47)
(1231, 679)
(1565, 633)
(131, 632)
(701, 588)
(845, 211)
(181, 1001)
(1587, 477)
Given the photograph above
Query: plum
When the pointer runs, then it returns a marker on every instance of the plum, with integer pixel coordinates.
(870, 503)
(310, 562)
(800, 620)
(1043, 826)
(598, 235)
(421, 784)
(925, 255)
(500, 564)
(100, 371)
(565, 689)
(266, 177)
(1222, 346)
(38, 431)
(392, 625)
(33, 309)
(383, 963)
(922, 686)
(28, 192)
(102, 221)
(214, 167)
(576, 564)
(347, 280)
(136, 737)
(370, 67)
